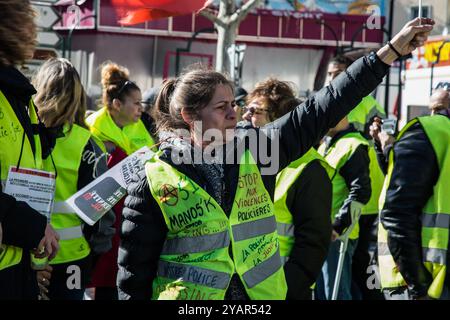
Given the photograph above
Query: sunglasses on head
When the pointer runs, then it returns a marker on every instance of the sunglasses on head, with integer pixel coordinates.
(124, 86)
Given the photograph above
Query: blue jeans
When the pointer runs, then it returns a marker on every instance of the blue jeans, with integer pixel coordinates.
(325, 282)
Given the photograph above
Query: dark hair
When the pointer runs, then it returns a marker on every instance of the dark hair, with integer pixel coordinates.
(341, 60)
(115, 82)
(191, 92)
(17, 31)
(161, 112)
(278, 96)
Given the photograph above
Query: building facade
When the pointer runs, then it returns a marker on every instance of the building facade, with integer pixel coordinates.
(280, 41)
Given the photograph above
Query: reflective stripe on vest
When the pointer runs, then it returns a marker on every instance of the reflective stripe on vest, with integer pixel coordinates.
(61, 207)
(201, 276)
(67, 155)
(200, 234)
(435, 218)
(11, 136)
(262, 271)
(253, 229)
(285, 229)
(285, 179)
(130, 138)
(337, 155)
(202, 243)
(69, 234)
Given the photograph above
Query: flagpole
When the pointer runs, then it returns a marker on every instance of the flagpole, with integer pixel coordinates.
(420, 11)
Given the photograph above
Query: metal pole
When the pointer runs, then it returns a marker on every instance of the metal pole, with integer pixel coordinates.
(188, 47)
(340, 266)
(400, 91)
(388, 76)
(69, 37)
(338, 47)
(431, 78)
(155, 52)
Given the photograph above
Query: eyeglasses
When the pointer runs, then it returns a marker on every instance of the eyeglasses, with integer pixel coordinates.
(256, 111)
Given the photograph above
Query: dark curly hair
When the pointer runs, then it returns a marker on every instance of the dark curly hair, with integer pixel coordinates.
(278, 96)
(17, 32)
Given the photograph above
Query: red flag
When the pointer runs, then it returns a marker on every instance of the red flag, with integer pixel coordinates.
(137, 11)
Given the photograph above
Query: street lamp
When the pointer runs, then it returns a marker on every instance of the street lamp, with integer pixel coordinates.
(69, 36)
(188, 47)
(329, 28)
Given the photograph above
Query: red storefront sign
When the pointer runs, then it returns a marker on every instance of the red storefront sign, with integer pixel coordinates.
(265, 26)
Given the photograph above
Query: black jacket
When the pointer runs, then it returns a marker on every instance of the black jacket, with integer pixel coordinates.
(22, 226)
(143, 229)
(414, 175)
(357, 178)
(309, 201)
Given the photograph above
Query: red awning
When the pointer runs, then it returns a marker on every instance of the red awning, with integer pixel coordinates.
(137, 11)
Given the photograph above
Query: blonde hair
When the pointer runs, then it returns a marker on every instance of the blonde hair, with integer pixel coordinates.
(17, 31)
(60, 97)
(115, 82)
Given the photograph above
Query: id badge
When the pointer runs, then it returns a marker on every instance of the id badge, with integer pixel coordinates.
(35, 187)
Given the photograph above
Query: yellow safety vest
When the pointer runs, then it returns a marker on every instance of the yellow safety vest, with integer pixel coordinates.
(364, 111)
(285, 179)
(359, 117)
(130, 138)
(200, 234)
(67, 155)
(11, 135)
(436, 213)
(337, 155)
(376, 183)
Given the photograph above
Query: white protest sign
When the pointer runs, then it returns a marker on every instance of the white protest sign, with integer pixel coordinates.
(99, 196)
(35, 187)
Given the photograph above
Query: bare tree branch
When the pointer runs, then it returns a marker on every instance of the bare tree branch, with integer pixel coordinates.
(242, 12)
(210, 15)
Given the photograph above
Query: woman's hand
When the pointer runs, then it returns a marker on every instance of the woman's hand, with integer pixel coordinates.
(375, 129)
(48, 247)
(43, 279)
(413, 35)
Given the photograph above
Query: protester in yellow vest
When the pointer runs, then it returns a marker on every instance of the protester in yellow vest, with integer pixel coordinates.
(78, 158)
(302, 197)
(361, 118)
(414, 232)
(118, 122)
(205, 214)
(347, 152)
(24, 228)
(439, 100)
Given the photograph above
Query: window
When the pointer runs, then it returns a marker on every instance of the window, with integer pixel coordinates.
(416, 111)
(426, 12)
